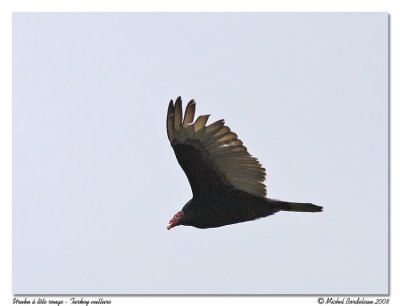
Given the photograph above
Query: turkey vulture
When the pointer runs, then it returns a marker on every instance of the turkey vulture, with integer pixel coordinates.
(226, 181)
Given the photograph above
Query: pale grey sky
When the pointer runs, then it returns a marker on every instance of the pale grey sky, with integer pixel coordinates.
(95, 180)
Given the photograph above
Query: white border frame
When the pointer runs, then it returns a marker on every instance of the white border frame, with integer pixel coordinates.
(9, 6)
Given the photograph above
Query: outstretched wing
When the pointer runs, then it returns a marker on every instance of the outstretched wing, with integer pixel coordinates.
(211, 156)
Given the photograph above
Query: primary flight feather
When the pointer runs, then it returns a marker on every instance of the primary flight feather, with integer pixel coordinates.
(227, 182)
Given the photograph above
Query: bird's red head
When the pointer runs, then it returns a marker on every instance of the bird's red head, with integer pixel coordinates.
(175, 220)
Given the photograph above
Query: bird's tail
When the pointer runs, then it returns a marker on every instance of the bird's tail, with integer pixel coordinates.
(292, 206)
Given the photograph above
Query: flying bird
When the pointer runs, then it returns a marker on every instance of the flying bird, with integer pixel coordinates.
(227, 182)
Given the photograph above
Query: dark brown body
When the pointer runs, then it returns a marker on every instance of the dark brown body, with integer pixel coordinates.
(235, 206)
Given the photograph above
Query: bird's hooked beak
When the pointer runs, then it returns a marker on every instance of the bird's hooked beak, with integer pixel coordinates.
(175, 220)
(169, 226)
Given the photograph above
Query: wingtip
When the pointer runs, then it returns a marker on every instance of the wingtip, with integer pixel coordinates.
(170, 108)
(170, 119)
(178, 113)
(189, 113)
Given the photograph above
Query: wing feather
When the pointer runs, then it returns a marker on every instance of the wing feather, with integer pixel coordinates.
(170, 120)
(214, 127)
(200, 123)
(178, 114)
(189, 112)
(212, 156)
